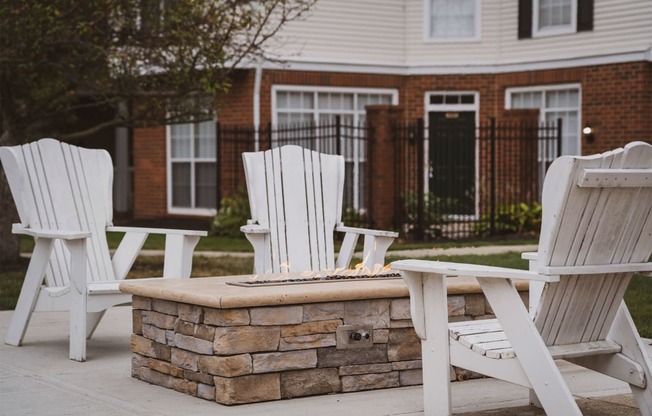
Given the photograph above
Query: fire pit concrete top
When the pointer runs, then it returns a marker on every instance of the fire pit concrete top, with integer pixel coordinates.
(214, 292)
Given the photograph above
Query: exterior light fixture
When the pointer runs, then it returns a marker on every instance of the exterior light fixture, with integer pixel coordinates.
(589, 134)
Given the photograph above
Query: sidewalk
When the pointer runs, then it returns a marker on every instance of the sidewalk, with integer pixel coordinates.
(39, 379)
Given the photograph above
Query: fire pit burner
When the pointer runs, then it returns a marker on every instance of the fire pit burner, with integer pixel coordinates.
(318, 279)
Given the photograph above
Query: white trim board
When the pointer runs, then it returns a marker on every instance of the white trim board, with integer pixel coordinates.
(351, 66)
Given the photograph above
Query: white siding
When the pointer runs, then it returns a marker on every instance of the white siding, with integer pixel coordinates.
(353, 30)
(391, 32)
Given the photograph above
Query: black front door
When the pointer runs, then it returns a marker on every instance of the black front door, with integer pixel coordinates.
(452, 162)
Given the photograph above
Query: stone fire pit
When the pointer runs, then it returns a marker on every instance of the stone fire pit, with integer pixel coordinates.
(234, 344)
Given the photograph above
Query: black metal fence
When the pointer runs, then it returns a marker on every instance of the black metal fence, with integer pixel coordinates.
(331, 137)
(459, 180)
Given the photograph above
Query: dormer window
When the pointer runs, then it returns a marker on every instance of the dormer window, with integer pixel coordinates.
(452, 20)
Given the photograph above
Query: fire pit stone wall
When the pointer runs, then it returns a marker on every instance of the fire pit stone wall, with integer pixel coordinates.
(253, 354)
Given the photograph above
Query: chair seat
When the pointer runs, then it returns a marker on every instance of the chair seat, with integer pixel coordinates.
(485, 337)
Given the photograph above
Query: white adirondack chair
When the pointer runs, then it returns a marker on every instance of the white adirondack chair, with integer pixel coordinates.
(63, 195)
(295, 196)
(596, 232)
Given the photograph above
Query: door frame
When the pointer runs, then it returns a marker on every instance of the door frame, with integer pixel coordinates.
(443, 108)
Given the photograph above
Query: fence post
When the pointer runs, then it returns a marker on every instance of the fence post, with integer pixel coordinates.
(218, 164)
(559, 134)
(420, 136)
(381, 182)
(492, 141)
(338, 135)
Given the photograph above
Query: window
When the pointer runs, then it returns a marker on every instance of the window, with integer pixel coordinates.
(539, 18)
(299, 106)
(554, 16)
(452, 20)
(554, 102)
(191, 167)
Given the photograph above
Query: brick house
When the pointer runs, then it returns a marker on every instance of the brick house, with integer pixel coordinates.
(588, 62)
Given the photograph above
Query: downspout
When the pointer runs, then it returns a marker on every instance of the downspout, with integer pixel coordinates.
(257, 82)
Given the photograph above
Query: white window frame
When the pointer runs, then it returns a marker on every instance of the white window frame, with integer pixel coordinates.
(337, 90)
(542, 113)
(427, 21)
(553, 31)
(204, 212)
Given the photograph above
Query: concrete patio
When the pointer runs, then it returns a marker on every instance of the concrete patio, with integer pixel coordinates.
(39, 379)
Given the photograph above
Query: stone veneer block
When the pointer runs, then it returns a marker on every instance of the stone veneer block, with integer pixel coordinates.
(241, 339)
(307, 341)
(281, 361)
(199, 377)
(310, 328)
(361, 312)
(184, 359)
(412, 377)
(323, 311)
(401, 324)
(400, 309)
(370, 381)
(455, 305)
(276, 315)
(165, 367)
(159, 320)
(200, 346)
(403, 345)
(184, 327)
(151, 376)
(381, 336)
(474, 304)
(247, 389)
(406, 365)
(205, 332)
(191, 313)
(229, 366)
(226, 317)
(139, 302)
(184, 386)
(351, 370)
(137, 321)
(154, 333)
(310, 382)
(148, 348)
(331, 357)
(165, 306)
(206, 391)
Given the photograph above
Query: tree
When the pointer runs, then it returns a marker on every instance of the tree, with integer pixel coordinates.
(124, 62)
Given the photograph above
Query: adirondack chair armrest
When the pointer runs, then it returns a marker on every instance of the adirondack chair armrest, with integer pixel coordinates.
(530, 255)
(470, 270)
(46, 233)
(366, 231)
(144, 230)
(254, 229)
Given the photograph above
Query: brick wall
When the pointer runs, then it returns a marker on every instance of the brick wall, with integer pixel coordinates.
(616, 102)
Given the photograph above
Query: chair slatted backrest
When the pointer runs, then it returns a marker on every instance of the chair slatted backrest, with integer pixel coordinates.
(297, 194)
(64, 187)
(610, 223)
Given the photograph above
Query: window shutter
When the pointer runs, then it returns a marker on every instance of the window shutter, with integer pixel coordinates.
(584, 15)
(524, 19)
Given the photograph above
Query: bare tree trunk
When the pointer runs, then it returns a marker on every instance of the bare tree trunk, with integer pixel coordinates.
(9, 243)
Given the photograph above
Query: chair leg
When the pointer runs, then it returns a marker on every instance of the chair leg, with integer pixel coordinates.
(78, 291)
(531, 351)
(29, 292)
(623, 331)
(92, 321)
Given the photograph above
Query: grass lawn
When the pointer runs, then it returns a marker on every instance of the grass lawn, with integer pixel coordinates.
(638, 296)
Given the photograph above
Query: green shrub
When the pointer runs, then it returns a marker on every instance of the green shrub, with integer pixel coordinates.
(233, 213)
(521, 218)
